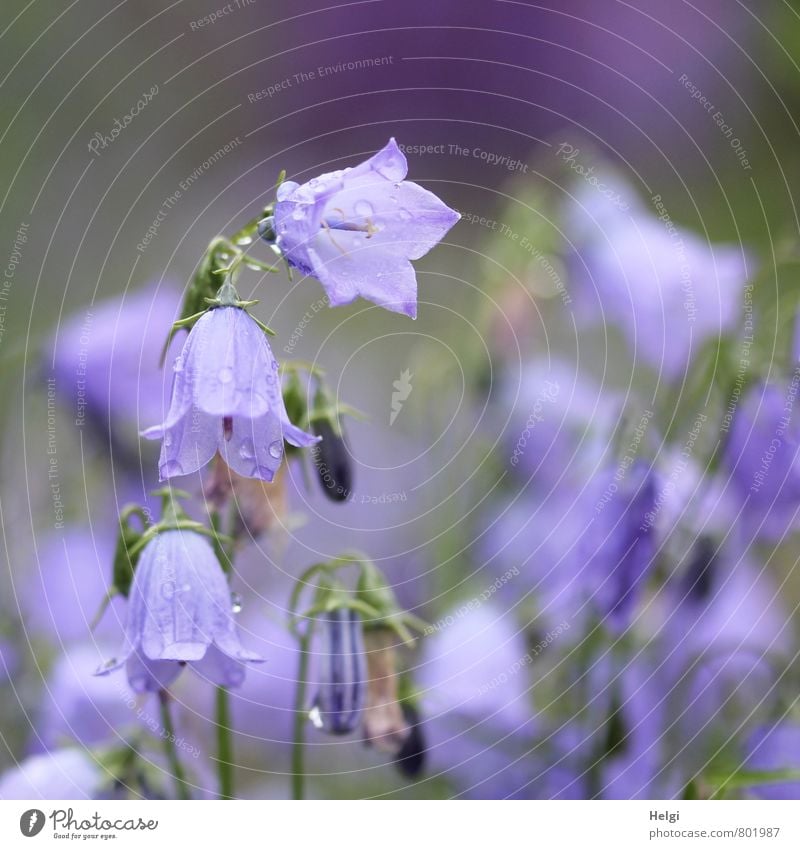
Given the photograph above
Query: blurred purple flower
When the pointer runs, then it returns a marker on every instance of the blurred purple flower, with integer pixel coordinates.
(355, 230)
(80, 707)
(667, 289)
(62, 774)
(475, 683)
(108, 355)
(62, 591)
(180, 612)
(226, 397)
(723, 644)
(763, 457)
(771, 748)
(618, 547)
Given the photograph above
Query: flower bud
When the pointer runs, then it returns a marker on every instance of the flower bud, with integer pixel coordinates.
(342, 674)
(332, 461)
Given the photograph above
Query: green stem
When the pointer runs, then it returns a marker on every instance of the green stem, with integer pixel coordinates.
(169, 747)
(224, 745)
(300, 718)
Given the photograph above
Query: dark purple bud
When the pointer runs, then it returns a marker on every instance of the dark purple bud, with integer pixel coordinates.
(342, 674)
(699, 579)
(332, 461)
(410, 760)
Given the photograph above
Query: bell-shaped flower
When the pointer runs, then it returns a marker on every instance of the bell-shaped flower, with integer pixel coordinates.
(180, 612)
(226, 397)
(355, 230)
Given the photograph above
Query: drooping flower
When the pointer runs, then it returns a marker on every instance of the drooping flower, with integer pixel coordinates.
(179, 612)
(226, 397)
(355, 230)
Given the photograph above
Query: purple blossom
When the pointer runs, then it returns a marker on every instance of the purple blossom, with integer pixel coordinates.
(108, 356)
(666, 288)
(226, 397)
(355, 230)
(179, 612)
(619, 544)
(763, 457)
(63, 774)
(770, 749)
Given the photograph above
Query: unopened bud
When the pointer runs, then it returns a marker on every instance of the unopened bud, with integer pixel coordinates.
(342, 673)
(332, 461)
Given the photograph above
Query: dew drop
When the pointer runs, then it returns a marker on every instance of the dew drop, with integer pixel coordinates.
(236, 603)
(363, 208)
(298, 214)
(247, 450)
(405, 215)
(225, 375)
(178, 365)
(168, 439)
(276, 449)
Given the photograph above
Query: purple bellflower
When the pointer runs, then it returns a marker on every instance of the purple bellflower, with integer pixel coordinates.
(179, 612)
(226, 397)
(355, 230)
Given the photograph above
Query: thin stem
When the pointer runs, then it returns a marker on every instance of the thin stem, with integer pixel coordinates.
(169, 747)
(300, 718)
(224, 745)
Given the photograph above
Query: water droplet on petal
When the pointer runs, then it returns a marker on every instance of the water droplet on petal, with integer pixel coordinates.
(178, 364)
(405, 215)
(168, 590)
(363, 208)
(168, 439)
(225, 375)
(236, 603)
(247, 450)
(298, 213)
(276, 449)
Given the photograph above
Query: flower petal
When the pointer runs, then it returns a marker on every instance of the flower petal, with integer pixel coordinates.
(255, 447)
(188, 444)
